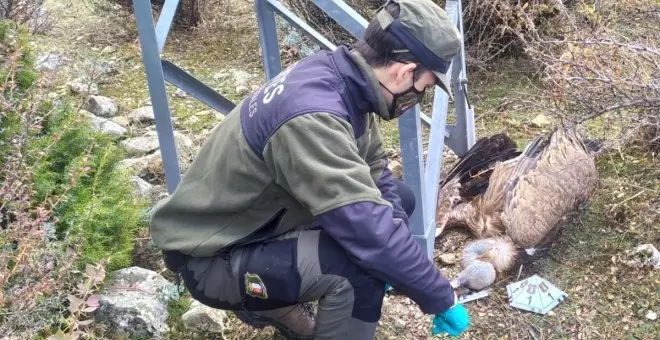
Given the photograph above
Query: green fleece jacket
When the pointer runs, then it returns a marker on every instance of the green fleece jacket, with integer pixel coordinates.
(303, 149)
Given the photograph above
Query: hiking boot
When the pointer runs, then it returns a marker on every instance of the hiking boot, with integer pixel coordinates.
(295, 322)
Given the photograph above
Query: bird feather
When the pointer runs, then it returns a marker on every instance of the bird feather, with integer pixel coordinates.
(467, 180)
(547, 187)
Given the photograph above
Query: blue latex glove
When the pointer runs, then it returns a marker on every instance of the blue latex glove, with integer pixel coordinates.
(453, 321)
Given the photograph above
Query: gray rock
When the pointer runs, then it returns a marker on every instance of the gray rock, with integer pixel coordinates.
(121, 120)
(133, 165)
(134, 302)
(101, 69)
(183, 142)
(399, 324)
(308, 49)
(159, 192)
(97, 71)
(109, 49)
(138, 165)
(101, 106)
(142, 187)
(143, 114)
(448, 258)
(241, 78)
(138, 146)
(203, 318)
(180, 93)
(647, 256)
(105, 125)
(152, 164)
(112, 128)
(94, 121)
(220, 75)
(242, 90)
(83, 86)
(48, 62)
(651, 315)
(192, 120)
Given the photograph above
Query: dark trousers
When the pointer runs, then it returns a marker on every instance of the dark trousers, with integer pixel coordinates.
(299, 266)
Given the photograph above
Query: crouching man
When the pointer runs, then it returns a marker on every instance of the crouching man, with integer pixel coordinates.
(290, 199)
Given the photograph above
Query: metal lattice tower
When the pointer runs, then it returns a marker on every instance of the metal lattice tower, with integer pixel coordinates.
(422, 177)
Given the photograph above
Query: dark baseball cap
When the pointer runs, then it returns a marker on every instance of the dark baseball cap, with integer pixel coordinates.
(428, 33)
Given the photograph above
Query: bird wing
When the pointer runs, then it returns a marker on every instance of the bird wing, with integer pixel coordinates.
(487, 221)
(491, 204)
(448, 197)
(476, 165)
(546, 187)
(468, 179)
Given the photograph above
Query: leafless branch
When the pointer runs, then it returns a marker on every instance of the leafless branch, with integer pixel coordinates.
(653, 102)
(26, 12)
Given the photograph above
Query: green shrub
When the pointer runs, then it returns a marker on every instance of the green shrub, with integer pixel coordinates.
(63, 204)
(58, 162)
(16, 77)
(98, 213)
(13, 39)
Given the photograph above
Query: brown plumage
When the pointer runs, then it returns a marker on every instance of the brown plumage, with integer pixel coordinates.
(543, 190)
(524, 199)
(466, 182)
(481, 214)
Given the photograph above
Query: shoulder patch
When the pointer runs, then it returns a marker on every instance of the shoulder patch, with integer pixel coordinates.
(255, 287)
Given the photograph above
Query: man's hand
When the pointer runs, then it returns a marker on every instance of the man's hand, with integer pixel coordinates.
(454, 321)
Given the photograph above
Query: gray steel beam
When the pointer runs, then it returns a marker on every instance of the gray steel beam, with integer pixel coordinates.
(165, 21)
(191, 85)
(344, 15)
(157, 92)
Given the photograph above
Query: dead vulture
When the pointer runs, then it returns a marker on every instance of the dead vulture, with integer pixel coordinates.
(513, 201)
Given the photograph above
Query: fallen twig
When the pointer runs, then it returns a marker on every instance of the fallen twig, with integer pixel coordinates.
(627, 199)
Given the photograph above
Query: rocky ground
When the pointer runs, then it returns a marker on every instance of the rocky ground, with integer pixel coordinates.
(94, 53)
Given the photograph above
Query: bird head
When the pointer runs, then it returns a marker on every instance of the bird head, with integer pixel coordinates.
(475, 250)
(488, 254)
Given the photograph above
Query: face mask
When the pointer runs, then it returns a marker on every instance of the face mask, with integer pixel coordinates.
(404, 100)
